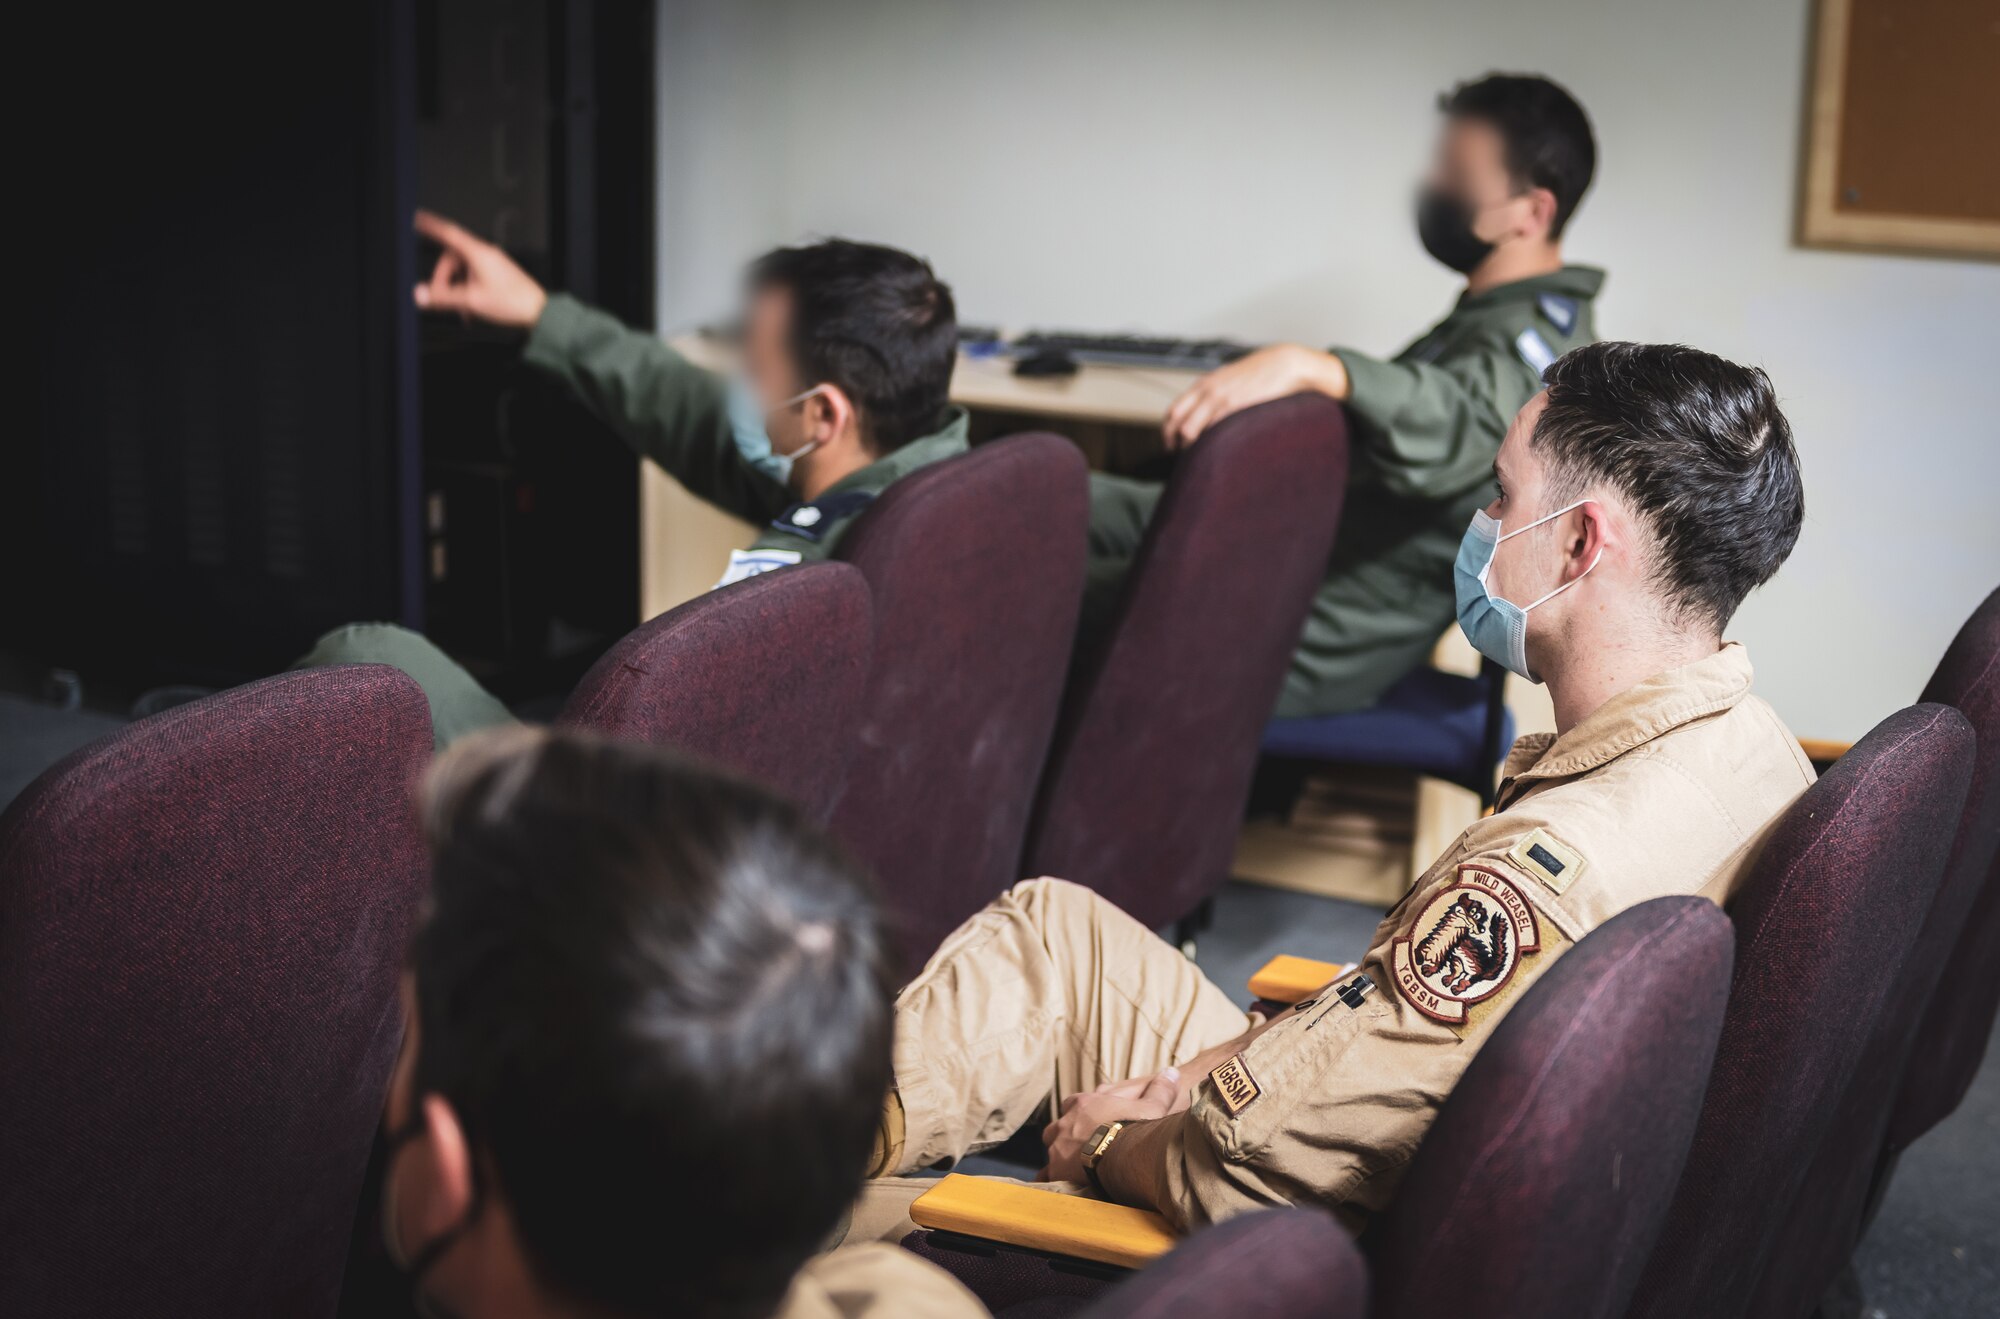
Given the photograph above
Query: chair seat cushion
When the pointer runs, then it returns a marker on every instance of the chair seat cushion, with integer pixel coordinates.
(1429, 721)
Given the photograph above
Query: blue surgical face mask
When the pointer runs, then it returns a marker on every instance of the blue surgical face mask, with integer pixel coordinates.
(1498, 629)
(746, 427)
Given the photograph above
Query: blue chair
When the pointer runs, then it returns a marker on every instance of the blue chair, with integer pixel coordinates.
(1442, 724)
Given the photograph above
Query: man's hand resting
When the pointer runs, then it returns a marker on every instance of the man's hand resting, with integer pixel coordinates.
(1259, 377)
(1155, 1097)
(476, 279)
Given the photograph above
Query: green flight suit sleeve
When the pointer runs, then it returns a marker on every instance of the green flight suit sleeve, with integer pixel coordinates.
(662, 405)
(1432, 429)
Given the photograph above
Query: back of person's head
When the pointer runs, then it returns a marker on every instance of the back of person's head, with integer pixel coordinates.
(1700, 452)
(657, 1002)
(1547, 135)
(875, 321)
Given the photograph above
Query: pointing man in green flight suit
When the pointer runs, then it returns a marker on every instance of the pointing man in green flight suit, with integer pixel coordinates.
(847, 354)
(1513, 160)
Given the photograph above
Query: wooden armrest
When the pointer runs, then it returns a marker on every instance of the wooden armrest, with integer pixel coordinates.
(1822, 752)
(1033, 1219)
(1286, 979)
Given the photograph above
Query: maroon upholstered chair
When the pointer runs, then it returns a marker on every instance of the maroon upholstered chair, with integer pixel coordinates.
(1277, 1264)
(1829, 1217)
(764, 678)
(1550, 1168)
(202, 919)
(1281, 1263)
(976, 567)
(1824, 923)
(1143, 795)
(1951, 1042)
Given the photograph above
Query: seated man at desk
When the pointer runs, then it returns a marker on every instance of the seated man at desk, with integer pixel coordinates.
(1514, 159)
(648, 1032)
(846, 364)
(1641, 498)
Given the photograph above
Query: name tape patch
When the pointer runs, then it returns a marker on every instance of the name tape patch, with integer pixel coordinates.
(745, 564)
(1534, 350)
(1548, 859)
(1234, 1085)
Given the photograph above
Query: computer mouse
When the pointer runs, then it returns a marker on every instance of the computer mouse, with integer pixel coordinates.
(1044, 364)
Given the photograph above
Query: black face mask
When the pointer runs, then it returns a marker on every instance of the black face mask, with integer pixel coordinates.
(1444, 223)
(415, 1267)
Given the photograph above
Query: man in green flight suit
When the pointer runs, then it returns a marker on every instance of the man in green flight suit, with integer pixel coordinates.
(846, 363)
(1513, 160)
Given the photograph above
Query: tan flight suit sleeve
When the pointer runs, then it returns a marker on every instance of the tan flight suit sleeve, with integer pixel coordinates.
(1329, 1104)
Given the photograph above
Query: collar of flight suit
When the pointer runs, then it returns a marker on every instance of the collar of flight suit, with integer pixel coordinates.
(1570, 281)
(948, 441)
(1632, 718)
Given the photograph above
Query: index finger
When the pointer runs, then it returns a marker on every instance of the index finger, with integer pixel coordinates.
(440, 230)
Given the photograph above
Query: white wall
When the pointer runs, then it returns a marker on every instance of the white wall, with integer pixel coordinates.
(1243, 168)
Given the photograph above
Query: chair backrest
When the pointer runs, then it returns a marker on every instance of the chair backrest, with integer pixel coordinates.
(976, 569)
(764, 678)
(1277, 1264)
(1143, 796)
(1549, 1170)
(202, 920)
(1828, 1217)
(1824, 922)
(1958, 1020)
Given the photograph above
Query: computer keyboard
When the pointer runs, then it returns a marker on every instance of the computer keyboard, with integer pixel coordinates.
(1130, 349)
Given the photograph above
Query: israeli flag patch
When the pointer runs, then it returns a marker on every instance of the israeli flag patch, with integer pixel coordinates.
(745, 564)
(1561, 312)
(1534, 350)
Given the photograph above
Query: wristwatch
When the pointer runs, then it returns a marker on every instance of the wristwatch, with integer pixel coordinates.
(1094, 1148)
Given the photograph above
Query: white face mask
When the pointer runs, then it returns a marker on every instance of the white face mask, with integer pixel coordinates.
(1498, 629)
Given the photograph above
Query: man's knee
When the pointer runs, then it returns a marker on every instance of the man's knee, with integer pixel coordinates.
(459, 705)
(372, 643)
(1057, 904)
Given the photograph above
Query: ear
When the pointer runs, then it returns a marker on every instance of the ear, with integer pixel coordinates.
(1586, 540)
(433, 1177)
(1541, 212)
(829, 414)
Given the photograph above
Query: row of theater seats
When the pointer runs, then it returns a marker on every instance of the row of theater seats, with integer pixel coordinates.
(1691, 1113)
(202, 917)
(921, 695)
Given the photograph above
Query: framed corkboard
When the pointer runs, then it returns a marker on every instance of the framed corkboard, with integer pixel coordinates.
(1903, 128)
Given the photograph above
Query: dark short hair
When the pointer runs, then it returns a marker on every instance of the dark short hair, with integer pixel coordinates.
(658, 1003)
(875, 321)
(1697, 447)
(1547, 135)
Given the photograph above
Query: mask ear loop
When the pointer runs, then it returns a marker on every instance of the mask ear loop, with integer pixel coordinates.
(801, 397)
(1536, 523)
(1566, 585)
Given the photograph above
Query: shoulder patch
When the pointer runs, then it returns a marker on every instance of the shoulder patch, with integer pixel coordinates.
(1560, 311)
(1234, 1085)
(1534, 350)
(1465, 944)
(1554, 863)
(811, 520)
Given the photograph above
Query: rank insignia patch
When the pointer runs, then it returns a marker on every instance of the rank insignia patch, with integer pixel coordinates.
(1548, 859)
(1465, 945)
(1234, 1085)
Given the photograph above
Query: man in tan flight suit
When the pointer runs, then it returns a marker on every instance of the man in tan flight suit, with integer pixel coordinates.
(1643, 494)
